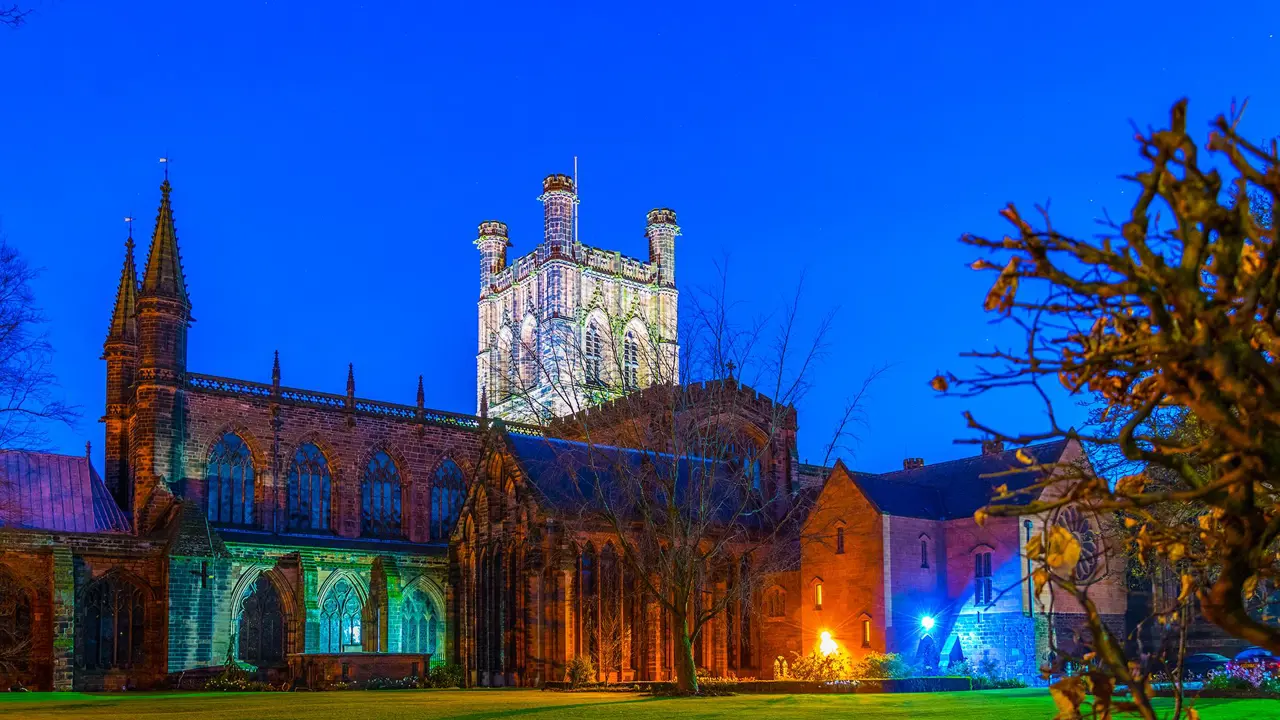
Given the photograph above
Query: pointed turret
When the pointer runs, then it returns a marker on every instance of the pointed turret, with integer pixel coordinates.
(163, 277)
(422, 397)
(124, 318)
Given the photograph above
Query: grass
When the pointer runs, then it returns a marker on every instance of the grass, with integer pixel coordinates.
(533, 705)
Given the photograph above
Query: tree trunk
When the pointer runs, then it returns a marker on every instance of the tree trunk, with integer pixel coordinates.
(686, 673)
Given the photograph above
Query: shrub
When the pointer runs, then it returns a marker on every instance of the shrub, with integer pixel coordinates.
(444, 676)
(880, 665)
(581, 671)
(234, 678)
(1244, 676)
(816, 667)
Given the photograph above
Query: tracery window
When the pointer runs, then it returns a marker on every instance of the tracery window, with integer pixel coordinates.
(260, 633)
(594, 354)
(380, 498)
(418, 623)
(630, 361)
(15, 622)
(340, 619)
(229, 482)
(112, 624)
(310, 486)
(447, 493)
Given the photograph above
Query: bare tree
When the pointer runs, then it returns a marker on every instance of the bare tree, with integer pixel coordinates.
(28, 399)
(684, 462)
(1174, 310)
(13, 16)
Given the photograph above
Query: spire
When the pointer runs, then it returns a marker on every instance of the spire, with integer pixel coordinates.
(275, 369)
(484, 402)
(351, 380)
(164, 276)
(124, 319)
(421, 395)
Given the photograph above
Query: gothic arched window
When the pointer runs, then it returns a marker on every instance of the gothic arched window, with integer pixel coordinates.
(340, 618)
(15, 623)
(419, 623)
(503, 367)
(380, 497)
(112, 624)
(744, 457)
(594, 353)
(528, 370)
(309, 490)
(228, 478)
(776, 602)
(630, 361)
(447, 493)
(260, 632)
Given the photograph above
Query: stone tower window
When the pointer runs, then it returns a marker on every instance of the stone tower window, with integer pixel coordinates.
(982, 578)
(630, 361)
(594, 353)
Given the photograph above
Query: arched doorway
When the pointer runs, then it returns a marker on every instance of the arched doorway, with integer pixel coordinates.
(261, 628)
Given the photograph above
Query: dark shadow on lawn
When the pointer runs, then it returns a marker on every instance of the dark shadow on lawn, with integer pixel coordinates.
(551, 708)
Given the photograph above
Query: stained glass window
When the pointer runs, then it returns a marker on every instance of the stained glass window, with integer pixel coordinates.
(447, 493)
(260, 634)
(229, 482)
(340, 619)
(380, 498)
(112, 623)
(309, 490)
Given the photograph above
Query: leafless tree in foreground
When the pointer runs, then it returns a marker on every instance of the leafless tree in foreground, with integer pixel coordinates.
(1175, 309)
(703, 505)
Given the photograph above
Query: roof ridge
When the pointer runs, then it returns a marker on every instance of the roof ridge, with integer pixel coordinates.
(970, 458)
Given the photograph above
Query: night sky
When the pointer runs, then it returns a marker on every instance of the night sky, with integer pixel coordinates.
(331, 162)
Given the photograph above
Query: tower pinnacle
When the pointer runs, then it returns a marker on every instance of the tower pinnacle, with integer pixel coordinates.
(124, 318)
(164, 277)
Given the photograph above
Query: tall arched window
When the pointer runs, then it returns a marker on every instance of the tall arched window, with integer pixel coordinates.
(260, 632)
(744, 457)
(112, 624)
(229, 482)
(15, 623)
(380, 498)
(776, 602)
(630, 361)
(594, 353)
(340, 619)
(528, 371)
(309, 490)
(418, 623)
(503, 367)
(447, 492)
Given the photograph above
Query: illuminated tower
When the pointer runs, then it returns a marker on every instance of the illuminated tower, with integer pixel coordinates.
(545, 319)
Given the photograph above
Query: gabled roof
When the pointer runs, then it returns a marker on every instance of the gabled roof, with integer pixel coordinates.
(56, 492)
(567, 474)
(957, 488)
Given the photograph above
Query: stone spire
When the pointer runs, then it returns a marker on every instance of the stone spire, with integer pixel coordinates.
(421, 395)
(351, 380)
(124, 319)
(275, 371)
(163, 277)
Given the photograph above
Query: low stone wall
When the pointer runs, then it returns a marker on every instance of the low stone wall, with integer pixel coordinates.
(316, 670)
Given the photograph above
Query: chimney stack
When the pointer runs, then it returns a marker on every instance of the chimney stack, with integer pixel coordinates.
(912, 463)
(992, 447)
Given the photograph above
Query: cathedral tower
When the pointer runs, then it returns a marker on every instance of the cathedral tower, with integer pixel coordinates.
(157, 425)
(568, 324)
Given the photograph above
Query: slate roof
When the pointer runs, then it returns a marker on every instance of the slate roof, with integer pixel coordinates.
(954, 489)
(63, 493)
(566, 473)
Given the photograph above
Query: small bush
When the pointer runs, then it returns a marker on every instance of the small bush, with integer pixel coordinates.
(881, 665)
(444, 676)
(581, 671)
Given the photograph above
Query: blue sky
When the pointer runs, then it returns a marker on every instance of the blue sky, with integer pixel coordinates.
(332, 160)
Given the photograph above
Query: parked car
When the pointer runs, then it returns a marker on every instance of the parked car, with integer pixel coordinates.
(1199, 665)
(1255, 655)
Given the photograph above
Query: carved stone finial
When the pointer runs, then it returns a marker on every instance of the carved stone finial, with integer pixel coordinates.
(275, 370)
(351, 380)
(421, 395)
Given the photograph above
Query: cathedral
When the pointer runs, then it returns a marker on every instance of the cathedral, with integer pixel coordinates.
(319, 537)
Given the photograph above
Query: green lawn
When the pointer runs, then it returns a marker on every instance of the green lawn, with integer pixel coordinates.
(426, 704)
